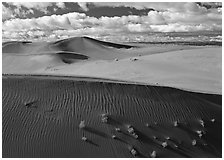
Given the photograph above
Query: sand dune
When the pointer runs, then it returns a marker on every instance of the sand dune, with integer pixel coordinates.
(83, 45)
(196, 70)
(28, 57)
(186, 67)
(41, 118)
(92, 48)
(86, 43)
(35, 62)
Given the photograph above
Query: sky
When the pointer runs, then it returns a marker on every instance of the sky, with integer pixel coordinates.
(107, 20)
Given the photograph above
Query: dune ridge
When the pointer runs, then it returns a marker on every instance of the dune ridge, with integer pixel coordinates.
(75, 44)
(84, 40)
(180, 66)
(41, 118)
(58, 53)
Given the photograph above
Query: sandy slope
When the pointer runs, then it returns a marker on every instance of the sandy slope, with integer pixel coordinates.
(197, 68)
(41, 118)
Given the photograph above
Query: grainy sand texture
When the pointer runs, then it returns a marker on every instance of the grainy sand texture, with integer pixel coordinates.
(53, 117)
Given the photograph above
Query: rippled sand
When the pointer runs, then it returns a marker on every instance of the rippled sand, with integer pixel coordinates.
(41, 118)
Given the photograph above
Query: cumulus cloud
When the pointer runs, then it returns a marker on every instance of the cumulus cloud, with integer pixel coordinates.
(189, 17)
(7, 13)
(60, 4)
(83, 5)
(37, 5)
(159, 6)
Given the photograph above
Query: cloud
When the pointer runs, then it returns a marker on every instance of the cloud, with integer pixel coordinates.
(36, 5)
(83, 5)
(210, 4)
(60, 4)
(7, 13)
(190, 17)
(41, 6)
(159, 6)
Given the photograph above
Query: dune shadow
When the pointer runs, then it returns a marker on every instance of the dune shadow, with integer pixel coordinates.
(71, 57)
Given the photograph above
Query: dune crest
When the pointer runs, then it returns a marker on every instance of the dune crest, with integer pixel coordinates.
(75, 44)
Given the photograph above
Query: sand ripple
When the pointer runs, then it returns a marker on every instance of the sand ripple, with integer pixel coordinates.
(41, 117)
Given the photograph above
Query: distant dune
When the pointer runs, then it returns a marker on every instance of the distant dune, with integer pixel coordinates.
(62, 117)
(83, 45)
(33, 57)
(182, 66)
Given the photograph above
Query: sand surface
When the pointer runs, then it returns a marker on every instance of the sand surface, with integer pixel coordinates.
(41, 118)
(81, 97)
(186, 67)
